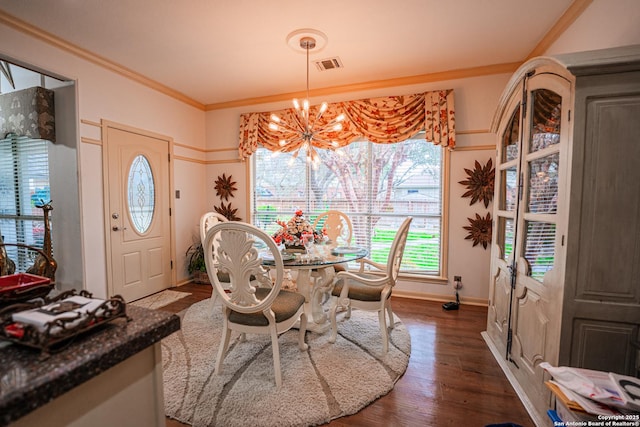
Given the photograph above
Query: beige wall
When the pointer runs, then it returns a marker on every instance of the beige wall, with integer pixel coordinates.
(103, 94)
(475, 102)
(106, 95)
(606, 23)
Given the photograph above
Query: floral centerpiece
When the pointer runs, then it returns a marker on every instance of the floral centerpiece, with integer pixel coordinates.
(292, 231)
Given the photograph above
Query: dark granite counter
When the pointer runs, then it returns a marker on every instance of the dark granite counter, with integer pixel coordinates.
(28, 382)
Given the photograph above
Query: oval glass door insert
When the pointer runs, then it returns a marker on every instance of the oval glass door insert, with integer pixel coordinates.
(141, 194)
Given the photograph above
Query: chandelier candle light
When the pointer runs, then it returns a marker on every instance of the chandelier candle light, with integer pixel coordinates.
(304, 127)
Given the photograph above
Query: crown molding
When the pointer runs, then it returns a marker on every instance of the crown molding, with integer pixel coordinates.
(569, 17)
(462, 73)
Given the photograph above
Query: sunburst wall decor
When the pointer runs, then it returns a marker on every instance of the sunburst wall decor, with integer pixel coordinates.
(480, 183)
(480, 230)
(225, 187)
(227, 211)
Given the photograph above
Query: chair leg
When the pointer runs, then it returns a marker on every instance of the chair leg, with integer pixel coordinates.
(390, 314)
(303, 333)
(214, 298)
(383, 330)
(332, 316)
(224, 344)
(276, 356)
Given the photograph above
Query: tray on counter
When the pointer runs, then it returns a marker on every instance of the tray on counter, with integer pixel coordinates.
(22, 287)
(50, 323)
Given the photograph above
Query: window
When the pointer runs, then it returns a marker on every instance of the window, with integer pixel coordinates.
(24, 184)
(377, 185)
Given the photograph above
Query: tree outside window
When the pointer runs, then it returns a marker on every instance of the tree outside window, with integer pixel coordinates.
(377, 185)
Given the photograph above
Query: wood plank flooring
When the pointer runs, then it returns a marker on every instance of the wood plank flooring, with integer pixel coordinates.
(452, 378)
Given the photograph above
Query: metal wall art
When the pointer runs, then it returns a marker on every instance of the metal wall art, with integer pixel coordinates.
(480, 230)
(225, 187)
(227, 211)
(480, 186)
(480, 183)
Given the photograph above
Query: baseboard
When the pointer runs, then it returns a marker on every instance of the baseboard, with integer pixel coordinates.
(184, 282)
(439, 298)
(482, 302)
(538, 419)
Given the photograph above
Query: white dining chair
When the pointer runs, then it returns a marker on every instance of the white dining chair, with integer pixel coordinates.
(337, 226)
(208, 220)
(256, 306)
(370, 290)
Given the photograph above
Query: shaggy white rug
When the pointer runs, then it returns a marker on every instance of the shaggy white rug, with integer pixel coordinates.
(326, 382)
(160, 299)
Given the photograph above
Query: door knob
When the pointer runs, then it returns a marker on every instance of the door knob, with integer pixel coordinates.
(116, 228)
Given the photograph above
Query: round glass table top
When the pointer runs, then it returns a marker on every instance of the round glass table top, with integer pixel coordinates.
(320, 256)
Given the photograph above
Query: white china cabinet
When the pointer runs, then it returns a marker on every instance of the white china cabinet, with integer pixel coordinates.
(565, 259)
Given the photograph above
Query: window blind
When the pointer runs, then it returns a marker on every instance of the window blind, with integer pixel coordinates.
(24, 184)
(376, 185)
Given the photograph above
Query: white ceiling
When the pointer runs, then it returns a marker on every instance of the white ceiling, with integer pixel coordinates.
(216, 51)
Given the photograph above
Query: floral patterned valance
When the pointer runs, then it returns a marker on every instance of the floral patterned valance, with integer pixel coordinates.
(28, 112)
(382, 120)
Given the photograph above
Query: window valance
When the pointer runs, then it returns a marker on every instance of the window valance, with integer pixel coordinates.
(382, 120)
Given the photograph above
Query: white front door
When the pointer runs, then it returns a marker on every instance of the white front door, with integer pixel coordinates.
(138, 217)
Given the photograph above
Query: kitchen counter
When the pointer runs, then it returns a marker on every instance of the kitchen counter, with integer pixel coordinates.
(29, 384)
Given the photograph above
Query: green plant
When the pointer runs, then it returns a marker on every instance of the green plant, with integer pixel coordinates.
(195, 257)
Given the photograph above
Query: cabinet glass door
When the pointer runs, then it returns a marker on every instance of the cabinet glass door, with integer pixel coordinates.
(538, 262)
(541, 182)
(524, 319)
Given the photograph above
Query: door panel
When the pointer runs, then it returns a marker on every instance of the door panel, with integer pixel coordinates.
(539, 251)
(139, 223)
(527, 265)
(506, 203)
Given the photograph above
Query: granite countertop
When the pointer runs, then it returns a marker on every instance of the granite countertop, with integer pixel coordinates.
(29, 381)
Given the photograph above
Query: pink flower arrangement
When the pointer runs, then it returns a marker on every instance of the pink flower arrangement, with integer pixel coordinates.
(293, 230)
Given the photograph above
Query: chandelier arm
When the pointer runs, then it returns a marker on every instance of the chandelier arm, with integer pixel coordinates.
(286, 125)
(293, 141)
(317, 117)
(330, 143)
(329, 126)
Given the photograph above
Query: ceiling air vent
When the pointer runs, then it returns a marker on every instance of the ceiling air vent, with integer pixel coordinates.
(328, 64)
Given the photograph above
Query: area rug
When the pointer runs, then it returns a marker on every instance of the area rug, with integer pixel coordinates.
(160, 299)
(326, 382)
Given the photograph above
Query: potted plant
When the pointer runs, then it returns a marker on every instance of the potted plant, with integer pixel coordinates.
(196, 265)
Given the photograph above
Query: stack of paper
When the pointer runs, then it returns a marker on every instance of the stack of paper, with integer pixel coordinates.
(595, 392)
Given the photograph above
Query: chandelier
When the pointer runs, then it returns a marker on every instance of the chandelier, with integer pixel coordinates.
(307, 129)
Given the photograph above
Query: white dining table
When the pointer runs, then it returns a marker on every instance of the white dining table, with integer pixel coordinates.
(315, 276)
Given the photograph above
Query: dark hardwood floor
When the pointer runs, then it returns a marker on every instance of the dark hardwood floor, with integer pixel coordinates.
(452, 378)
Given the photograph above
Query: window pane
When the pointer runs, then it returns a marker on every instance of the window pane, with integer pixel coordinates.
(141, 194)
(543, 184)
(509, 189)
(545, 129)
(24, 185)
(376, 185)
(506, 237)
(540, 247)
(511, 138)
